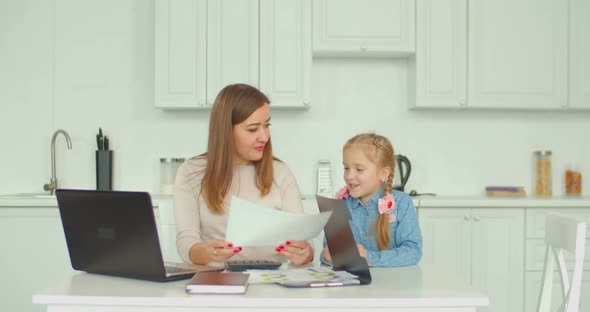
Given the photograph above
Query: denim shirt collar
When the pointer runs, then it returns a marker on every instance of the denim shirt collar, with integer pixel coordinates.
(356, 202)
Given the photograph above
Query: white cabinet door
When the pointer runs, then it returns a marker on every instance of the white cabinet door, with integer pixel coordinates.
(34, 255)
(579, 54)
(498, 256)
(482, 245)
(517, 58)
(447, 239)
(363, 27)
(533, 289)
(285, 52)
(180, 53)
(441, 52)
(232, 44)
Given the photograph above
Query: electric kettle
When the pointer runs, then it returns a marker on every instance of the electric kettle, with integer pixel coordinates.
(401, 173)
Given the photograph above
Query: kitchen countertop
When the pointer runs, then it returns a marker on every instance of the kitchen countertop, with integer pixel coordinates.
(48, 201)
(424, 201)
(476, 201)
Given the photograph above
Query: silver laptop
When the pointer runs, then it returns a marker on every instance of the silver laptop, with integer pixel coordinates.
(114, 233)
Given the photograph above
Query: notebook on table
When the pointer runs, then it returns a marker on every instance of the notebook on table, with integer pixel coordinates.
(114, 233)
(218, 283)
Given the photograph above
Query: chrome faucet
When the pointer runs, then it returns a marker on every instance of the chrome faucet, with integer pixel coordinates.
(52, 185)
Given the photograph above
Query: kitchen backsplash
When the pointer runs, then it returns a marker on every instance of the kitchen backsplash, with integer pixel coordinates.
(452, 152)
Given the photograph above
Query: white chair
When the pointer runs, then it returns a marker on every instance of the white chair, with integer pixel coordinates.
(563, 233)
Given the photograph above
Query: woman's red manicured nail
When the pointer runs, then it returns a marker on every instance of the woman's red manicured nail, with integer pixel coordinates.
(230, 245)
(240, 248)
(281, 247)
(278, 249)
(288, 242)
(237, 250)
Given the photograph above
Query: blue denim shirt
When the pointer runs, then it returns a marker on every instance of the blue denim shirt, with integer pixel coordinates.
(405, 246)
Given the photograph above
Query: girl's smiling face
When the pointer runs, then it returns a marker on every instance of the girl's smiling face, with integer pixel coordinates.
(361, 175)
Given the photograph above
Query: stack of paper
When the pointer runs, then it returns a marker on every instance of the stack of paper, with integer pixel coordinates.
(304, 277)
(252, 225)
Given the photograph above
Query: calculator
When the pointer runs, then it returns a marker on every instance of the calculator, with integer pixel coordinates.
(243, 265)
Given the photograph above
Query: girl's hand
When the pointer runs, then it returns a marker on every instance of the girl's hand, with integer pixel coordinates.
(220, 251)
(362, 250)
(327, 255)
(298, 252)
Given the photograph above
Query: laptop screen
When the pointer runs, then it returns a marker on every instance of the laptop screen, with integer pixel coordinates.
(343, 250)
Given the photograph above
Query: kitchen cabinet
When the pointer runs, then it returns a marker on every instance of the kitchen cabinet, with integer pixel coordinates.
(203, 45)
(483, 246)
(439, 68)
(363, 28)
(579, 51)
(34, 255)
(491, 54)
(285, 52)
(535, 258)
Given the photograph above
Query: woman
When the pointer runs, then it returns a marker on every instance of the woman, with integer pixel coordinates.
(238, 162)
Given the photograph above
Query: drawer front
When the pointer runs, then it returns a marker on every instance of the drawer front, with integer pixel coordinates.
(535, 256)
(535, 219)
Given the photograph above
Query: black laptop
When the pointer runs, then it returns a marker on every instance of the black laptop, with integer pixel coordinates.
(343, 250)
(114, 233)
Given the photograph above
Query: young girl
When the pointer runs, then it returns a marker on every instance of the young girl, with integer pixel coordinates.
(384, 221)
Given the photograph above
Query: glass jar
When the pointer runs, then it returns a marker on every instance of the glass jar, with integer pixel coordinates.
(543, 173)
(573, 180)
(168, 168)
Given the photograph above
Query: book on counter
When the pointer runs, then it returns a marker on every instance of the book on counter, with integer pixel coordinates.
(505, 191)
(218, 283)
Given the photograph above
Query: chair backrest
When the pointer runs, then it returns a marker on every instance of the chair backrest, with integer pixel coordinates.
(569, 234)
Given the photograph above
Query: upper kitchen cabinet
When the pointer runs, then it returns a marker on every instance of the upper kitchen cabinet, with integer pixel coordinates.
(491, 54)
(285, 52)
(517, 58)
(203, 45)
(363, 27)
(579, 52)
(440, 63)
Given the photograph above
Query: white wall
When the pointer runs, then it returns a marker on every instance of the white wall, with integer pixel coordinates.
(80, 65)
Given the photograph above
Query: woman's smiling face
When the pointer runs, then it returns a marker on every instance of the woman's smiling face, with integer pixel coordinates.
(251, 135)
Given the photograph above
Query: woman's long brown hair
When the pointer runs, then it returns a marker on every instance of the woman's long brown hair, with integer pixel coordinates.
(234, 104)
(379, 151)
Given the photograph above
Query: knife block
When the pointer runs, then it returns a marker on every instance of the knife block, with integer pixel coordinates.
(104, 170)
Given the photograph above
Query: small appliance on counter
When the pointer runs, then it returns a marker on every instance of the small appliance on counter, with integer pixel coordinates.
(168, 169)
(401, 172)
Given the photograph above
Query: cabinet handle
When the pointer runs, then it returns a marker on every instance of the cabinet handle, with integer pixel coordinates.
(476, 219)
(466, 217)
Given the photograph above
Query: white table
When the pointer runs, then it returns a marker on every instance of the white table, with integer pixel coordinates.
(415, 288)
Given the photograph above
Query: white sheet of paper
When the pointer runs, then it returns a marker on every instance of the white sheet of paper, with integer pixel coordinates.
(252, 225)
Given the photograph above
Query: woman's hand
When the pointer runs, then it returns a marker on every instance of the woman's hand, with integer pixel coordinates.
(298, 252)
(212, 251)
